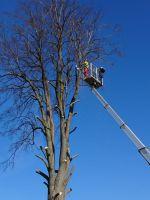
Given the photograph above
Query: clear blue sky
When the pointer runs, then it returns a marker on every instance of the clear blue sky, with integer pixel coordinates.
(109, 166)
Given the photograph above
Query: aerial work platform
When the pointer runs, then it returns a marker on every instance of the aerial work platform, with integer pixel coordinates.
(93, 75)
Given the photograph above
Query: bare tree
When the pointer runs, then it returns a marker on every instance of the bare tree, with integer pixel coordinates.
(39, 81)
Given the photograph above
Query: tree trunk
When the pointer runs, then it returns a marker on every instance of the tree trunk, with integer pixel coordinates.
(56, 195)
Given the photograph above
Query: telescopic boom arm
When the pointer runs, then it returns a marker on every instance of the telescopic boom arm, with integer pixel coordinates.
(142, 149)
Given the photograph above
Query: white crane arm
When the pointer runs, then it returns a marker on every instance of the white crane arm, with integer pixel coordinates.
(142, 149)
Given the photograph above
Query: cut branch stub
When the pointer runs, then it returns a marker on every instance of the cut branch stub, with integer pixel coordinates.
(43, 160)
(73, 130)
(42, 174)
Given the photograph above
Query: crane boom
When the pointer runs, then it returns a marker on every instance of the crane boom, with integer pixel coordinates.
(142, 149)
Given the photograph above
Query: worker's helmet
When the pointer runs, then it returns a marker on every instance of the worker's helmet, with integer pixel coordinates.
(86, 63)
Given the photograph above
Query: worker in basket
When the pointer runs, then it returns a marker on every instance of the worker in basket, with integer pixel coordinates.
(86, 68)
(101, 72)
